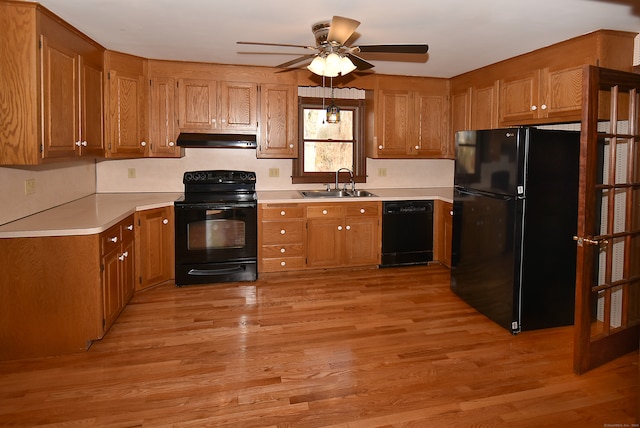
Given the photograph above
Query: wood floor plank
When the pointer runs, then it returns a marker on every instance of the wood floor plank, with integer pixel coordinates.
(352, 348)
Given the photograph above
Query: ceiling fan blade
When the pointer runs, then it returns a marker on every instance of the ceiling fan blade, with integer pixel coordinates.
(404, 49)
(295, 61)
(276, 44)
(341, 29)
(359, 62)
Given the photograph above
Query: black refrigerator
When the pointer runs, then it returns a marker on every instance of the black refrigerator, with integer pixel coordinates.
(514, 218)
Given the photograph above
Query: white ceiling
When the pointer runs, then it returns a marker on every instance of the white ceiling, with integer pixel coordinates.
(462, 34)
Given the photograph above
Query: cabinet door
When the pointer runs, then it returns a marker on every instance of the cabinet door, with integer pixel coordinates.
(92, 112)
(197, 105)
(278, 122)
(127, 111)
(163, 123)
(127, 268)
(393, 128)
(562, 93)
(484, 107)
(60, 98)
(362, 245)
(111, 286)
(155, 249)
(431, 124)
(519, 98)
(442, 234)
(238, 106)
(325, 240)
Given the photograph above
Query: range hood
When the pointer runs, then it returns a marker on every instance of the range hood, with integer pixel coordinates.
(242, 141)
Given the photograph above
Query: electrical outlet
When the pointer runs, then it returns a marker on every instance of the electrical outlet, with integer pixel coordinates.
(30, 186)
(131, 173)
(274, 172)
(382, 172)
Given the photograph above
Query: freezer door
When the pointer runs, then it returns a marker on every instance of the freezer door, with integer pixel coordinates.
(489, 160)
(485, 258)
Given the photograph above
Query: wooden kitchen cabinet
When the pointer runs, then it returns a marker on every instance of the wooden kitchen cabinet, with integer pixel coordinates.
(117, 266)
(53, 76)
(443, 230)
(163, 131)
(409, 124)
(281, 238)
(127, 95)
(543, 95)
(154, 239)
(278, 133)
(213, 106)
(343, 234)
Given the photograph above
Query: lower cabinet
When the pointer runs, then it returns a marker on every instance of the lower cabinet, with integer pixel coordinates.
(442, 234)
(117, 266)
(318, 235)
(155, 245)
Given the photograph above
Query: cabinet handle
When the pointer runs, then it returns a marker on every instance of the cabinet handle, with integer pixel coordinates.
(283, 212)
(282, 250)
(114, 239)
(417, 147)
(224, 121)
(324, 212)
(130, 227)
(84, 144)
(339, 227)
(283, 264)
(213, 121)
(123, 256)
(291, 146)
(165, 221)
(348, 227)
(78, 143)
(282, 232)
(143, 143)
(380, 147)
(534, 108)
(171, 144)
(543, 106)
(362, 210)
(451, 212)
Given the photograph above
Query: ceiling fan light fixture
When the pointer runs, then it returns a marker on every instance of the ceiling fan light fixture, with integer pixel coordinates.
(317, 65)
(331, 66)
(346, 66)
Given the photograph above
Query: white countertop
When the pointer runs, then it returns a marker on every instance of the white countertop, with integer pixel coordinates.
(395, 194)
(96, 213)
(85, 216)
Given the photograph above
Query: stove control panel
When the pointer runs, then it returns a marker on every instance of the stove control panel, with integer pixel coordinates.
(219, 176)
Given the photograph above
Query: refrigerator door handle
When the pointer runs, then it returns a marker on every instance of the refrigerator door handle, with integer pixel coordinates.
(465, 191)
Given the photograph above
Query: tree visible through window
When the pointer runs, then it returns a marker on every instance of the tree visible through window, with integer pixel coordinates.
(326, 147)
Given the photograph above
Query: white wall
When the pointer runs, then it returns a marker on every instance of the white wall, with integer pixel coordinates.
(55, 184)
(165, 175)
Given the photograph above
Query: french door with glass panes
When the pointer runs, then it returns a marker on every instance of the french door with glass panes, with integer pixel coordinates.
(607, 321)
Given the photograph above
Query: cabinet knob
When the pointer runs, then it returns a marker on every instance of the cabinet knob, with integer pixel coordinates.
(534, 108)
(324, 212)
(282, 250)
(114, 239)
(380, 147)
(84, 144)
(165, 221)
(348, 227)
(143, 144)
(123, 256)
(283, 212)
(543, 106)
(417, 147)
(291, 146)
(78, 143)
(282, 232)
(213, 121)
(171, 144)
(224, 121)
(362, 210)
(130, 227)
(339, 227)
(283, 264)
(451, 212)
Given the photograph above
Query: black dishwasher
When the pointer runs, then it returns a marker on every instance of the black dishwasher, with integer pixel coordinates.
(407, 233)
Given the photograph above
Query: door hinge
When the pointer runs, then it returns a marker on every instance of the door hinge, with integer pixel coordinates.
(39, 44)
(139, 224)
(101, 267)
(139, 280)
(41, 148)
(108, 75)
(104, 322)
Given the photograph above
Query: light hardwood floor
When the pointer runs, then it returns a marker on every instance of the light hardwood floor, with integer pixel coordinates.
(364, 348)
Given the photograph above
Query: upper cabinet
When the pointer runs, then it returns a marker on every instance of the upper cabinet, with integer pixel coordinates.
(127, 94)
(217, 106)
(405, 122)
(278, 135)
(163, 121)
(53, 76)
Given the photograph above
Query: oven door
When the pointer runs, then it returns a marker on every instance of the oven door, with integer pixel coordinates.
(215, 232)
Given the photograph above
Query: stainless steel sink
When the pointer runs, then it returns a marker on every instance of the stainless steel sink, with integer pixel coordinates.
(335, 193)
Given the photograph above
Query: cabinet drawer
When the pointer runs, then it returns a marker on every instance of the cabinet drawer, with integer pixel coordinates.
(363, 209)
(127, 229)
(110, 238)
(281, 232)
(282, 212)
(325, 211)
(283, 264)
(284, 250)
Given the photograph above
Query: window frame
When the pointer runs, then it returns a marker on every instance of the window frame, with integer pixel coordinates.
(298, 176)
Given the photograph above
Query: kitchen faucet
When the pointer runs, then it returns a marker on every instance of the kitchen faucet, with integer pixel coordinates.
(353, 184)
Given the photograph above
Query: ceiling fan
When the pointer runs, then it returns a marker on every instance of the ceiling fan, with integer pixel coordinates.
(332, 57)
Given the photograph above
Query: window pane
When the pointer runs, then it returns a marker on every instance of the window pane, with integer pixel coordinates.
(320, 156)
(317, 128)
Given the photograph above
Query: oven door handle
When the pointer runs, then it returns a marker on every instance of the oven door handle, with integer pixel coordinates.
(207, 206)
(209, 272)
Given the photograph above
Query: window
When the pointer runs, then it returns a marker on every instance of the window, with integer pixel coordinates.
(326, 147)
